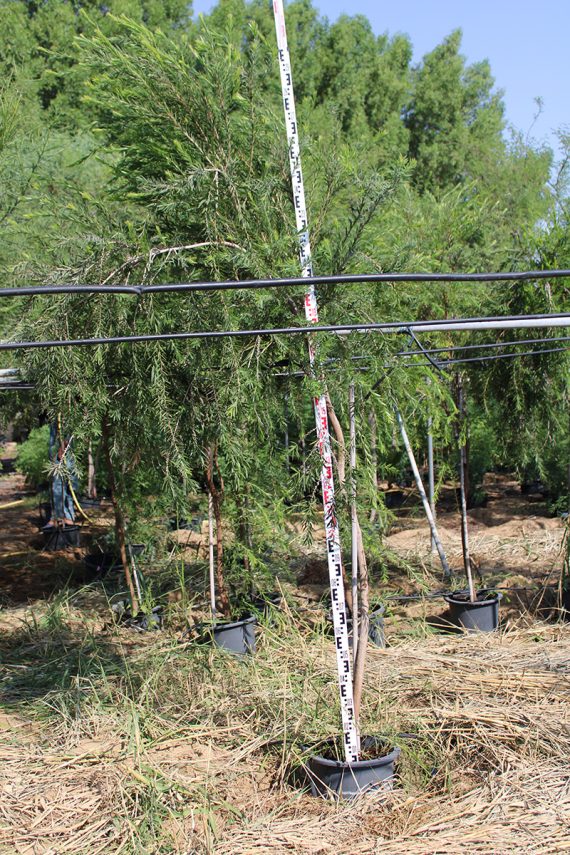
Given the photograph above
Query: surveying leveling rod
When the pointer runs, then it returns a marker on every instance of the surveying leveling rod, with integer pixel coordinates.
(332, 535)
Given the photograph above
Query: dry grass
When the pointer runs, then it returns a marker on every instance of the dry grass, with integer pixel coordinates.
(119, 743)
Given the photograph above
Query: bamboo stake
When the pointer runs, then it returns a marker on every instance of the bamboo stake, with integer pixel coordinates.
(134, 571)
(422, 492)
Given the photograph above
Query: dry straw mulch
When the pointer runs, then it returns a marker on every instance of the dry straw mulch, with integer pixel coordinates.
(487, 769)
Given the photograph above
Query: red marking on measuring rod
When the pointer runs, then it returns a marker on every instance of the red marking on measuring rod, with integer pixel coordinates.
(321, 417)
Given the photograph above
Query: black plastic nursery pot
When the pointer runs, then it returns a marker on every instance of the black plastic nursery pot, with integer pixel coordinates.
(88, 503)
(185, 524)
(45, 512)
(336, 779)
(60, 537)
(566, 602)
(237, 636)
(480, 616)
(137, 548)
(376, 636)
(265, 603)
(101, 563)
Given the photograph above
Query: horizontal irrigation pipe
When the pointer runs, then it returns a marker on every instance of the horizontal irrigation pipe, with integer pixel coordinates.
(435, 595)
(492, 358)
(15, 387)
(12, 387)
(482, 346)
(444, 363)
(455, 325)
(249, 284)
(431, 350)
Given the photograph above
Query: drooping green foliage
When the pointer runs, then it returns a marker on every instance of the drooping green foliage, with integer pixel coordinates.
(139, 146)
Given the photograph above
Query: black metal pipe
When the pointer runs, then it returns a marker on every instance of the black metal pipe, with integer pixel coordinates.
(397, 327)
(483, 346)
(249, 284)
(496, 356)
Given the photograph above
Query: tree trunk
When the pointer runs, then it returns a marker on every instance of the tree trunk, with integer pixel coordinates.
(340, 458)
(463, 488)
(363, 621)
(222, 599)
(119, 519)
(91, 479)
(374, 459)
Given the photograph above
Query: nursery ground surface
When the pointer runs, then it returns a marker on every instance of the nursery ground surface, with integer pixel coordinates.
(114, 741)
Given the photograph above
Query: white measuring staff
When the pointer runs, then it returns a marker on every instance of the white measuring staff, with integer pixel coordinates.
(321, 417)
(354, 520)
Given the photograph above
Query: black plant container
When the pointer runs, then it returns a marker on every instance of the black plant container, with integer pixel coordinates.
(565, 611)
(480, 616)
(236, 637)
(375, 628)
(60, 537)
(101, 563)
(45, 513)
(265, 603)
(376, 635)
(184, 524)
(89, 504)
(137, 548)
(336, 779)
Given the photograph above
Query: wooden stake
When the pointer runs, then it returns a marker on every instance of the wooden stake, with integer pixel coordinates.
(422, 492)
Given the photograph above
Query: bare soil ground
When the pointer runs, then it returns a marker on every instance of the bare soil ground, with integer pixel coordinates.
(113, 741)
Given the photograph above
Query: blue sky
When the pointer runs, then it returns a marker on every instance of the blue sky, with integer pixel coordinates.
(526, 44)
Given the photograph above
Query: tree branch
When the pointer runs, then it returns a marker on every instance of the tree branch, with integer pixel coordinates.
(149, 256)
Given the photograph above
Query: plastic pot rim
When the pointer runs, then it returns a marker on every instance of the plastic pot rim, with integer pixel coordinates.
(376, 612)
(490, 601)
(383, 760)
(51, 527)
(233, 624)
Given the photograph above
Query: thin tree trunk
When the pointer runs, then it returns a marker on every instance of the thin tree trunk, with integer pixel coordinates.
(119, 519)
(363, 622)
(374, 459)
(244, 533)
(363, 604)
(340, 458)
(223, 602)
(463, 490)
(91, 479)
